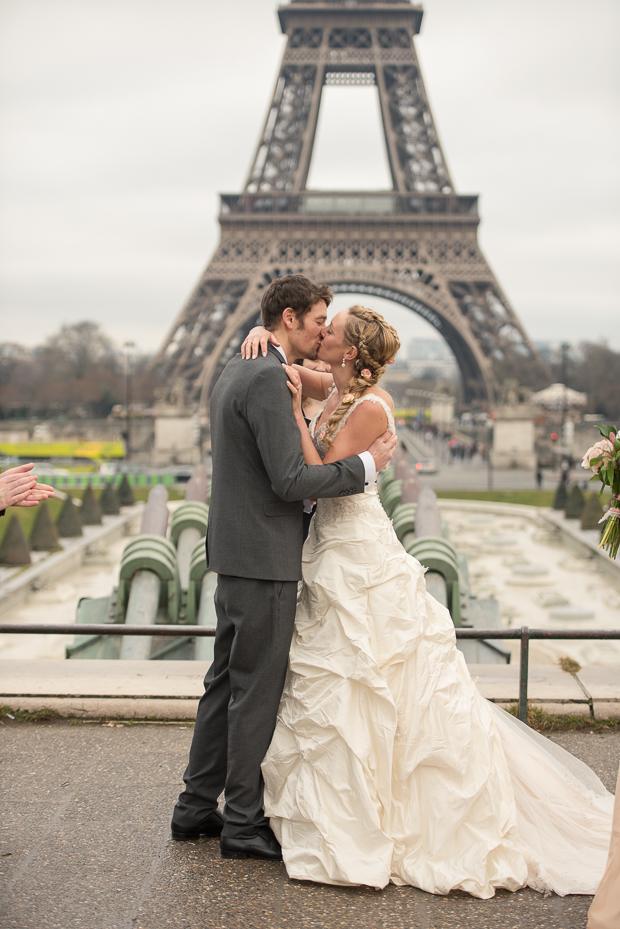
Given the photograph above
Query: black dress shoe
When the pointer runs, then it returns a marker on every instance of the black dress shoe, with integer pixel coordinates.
(211, 825)
(262, 845)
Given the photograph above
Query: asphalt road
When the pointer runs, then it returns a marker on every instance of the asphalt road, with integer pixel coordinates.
(86, 845)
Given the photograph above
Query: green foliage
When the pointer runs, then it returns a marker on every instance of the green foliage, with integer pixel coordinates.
(561, 494)
(541, 721)
(609, 471)
(609, 475)
(43, 537)
(575, 503)
(569, 664)
(108, 501)
(69, 524)
(27, 515)
(592, 513)
(125, 493)
(14, 550)
(27, 716)
(90, 511)
(523, 497)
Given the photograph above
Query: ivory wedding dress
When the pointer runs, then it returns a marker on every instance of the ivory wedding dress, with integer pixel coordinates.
(386, 763)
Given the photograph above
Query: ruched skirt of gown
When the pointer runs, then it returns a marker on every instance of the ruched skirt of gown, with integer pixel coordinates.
(386, 762)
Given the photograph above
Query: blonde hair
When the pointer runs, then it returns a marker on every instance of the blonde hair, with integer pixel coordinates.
(377, 343)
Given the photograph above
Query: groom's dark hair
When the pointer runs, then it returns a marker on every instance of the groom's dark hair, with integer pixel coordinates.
(294, 291)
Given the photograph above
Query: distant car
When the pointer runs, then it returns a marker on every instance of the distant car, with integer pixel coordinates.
(425, 466)
(181, 473)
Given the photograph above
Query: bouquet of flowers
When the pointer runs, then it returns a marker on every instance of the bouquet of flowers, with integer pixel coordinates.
(604, 459)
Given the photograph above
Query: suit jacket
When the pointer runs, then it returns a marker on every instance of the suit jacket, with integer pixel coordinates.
(259, 477)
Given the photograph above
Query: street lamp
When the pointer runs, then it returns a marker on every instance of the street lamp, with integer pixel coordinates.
(128, 347)
(564, 350)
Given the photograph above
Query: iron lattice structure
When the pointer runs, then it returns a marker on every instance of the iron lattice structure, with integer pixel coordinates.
(416, 245)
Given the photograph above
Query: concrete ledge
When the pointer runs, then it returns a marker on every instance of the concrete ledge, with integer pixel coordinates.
(602, 681)
(605, 710)
(89, 688)
(103, 679)
(96, 707)
(171, 689)
(546, 684)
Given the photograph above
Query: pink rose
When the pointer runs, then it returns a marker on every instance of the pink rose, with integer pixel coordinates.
(348, 398)
(365, 372)
(605, 448)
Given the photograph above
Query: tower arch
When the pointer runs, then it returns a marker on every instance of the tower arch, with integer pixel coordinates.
(416, 242)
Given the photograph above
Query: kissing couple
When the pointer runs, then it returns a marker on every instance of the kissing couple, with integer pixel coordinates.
(341, 723)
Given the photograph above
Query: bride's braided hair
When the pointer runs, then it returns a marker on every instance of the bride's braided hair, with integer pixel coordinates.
(377, 343)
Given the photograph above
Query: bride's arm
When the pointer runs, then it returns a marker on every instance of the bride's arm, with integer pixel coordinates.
(365, 424)
(314, 383)
(311, 456)
(257, 338)
(364, 431)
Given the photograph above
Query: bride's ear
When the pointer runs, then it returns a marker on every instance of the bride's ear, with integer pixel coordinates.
(351, 353)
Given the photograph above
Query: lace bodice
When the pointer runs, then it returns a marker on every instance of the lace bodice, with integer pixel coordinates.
(335, 509)
(317, 436)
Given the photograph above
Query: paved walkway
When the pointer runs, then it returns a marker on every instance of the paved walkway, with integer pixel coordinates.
(86, 845)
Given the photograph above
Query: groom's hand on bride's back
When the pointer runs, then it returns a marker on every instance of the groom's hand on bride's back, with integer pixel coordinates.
(382, 450)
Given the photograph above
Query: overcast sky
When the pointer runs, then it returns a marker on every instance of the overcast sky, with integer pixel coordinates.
(122, 120)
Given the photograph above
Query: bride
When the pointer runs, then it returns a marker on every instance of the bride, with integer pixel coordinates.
(386, 763)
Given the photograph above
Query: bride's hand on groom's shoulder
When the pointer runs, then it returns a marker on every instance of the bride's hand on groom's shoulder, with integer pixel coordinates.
(258, 337)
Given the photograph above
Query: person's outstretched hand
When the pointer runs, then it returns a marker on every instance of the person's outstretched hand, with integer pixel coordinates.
(19, 487)
(382, 450)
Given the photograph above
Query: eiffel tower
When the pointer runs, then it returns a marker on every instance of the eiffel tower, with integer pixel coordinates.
(416, 244)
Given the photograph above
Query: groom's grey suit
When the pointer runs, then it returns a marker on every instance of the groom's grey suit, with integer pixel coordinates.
(254, 542)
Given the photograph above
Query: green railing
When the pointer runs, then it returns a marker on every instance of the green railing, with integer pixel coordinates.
(94, 479)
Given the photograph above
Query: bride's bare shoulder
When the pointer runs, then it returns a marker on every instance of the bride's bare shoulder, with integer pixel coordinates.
(362, 425)
(368, 415)
(379, 392)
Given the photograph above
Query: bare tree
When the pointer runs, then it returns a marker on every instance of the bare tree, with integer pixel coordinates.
(77, 372)
(597, 372)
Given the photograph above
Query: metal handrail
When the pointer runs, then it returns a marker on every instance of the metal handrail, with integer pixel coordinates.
(525, 634)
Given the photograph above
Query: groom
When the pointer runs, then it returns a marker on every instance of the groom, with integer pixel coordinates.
(254, 542)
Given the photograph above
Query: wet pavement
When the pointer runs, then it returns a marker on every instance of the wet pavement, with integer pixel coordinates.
(86, 844)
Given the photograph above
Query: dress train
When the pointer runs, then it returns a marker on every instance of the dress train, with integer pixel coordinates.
(387, 764)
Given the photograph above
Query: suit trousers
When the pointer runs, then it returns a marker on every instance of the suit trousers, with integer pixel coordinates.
(237, 712)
